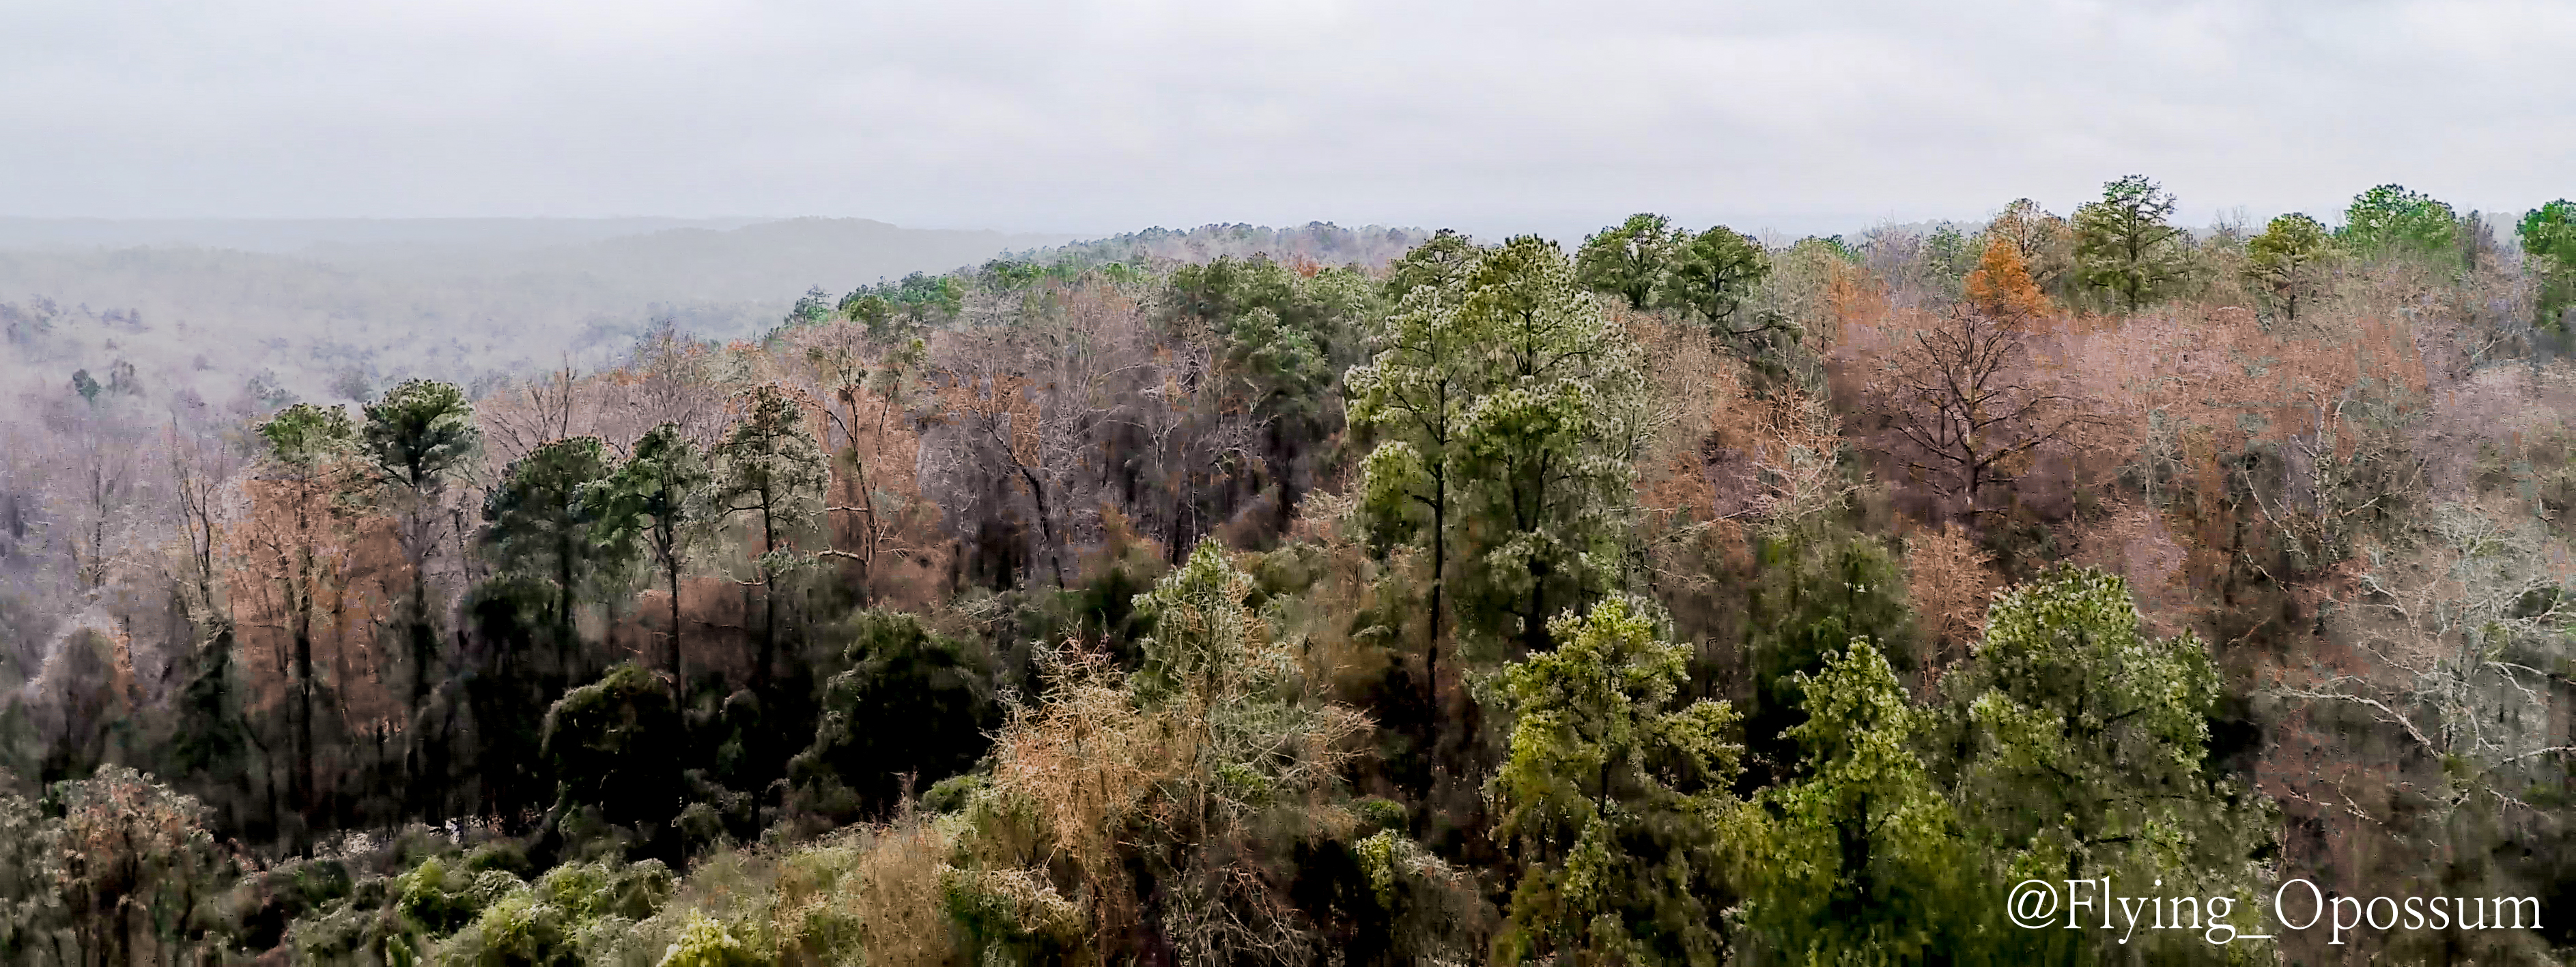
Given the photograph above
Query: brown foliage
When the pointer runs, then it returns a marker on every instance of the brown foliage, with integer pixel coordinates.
(1949, 581)
(305, 565)
(2001, 286)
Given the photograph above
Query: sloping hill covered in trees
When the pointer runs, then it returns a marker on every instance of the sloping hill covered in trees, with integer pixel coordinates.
(1345, 597)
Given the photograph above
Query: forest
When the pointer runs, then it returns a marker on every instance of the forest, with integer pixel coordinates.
(1328, 596)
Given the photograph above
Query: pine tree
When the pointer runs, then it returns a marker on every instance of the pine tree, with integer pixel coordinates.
(1631, 260)
(769, 466)
(2289, 261)
(2124, 243)
(1611, 796)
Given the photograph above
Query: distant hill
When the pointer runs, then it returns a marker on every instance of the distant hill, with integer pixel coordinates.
(324, 235)
(328, 309)
(775, 259)
(332, 310)
(1320, 242)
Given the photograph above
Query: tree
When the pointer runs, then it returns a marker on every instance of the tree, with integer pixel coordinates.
(1814, 592)
(1414, 394)
(770, 466)
(2087, 744)
(308, 472)
(609, 743)
(1441, 262)
(2461, 624)
(2124, 244)
(545, 525)
(1611, 797)
(2045, 242)
(134, 858)
(812, 309)
(2393, 220)
(33, 916)
(2288, 260)
(2548, 235)
(420, 433)
(896, 312)
(1549, 443)
(1179, 770)
(416, 439)
(2001, 286)
(1283, 333)
(1948, 580)
(1960, 392)
(912, 704)
(1855, 859)
(1246, 739)
(661, 490)
(1713, 273)
(1630, 261)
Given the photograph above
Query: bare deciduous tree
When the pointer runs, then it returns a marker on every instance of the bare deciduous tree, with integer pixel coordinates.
(1964, 394)
(2459, 637)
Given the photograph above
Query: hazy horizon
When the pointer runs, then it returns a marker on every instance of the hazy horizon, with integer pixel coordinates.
(1104, 118)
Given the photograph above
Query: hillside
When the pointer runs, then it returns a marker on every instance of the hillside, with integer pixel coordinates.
(1309, 596)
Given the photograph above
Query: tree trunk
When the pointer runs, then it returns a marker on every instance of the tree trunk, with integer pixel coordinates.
(768, 602)
(1439, 578)
(679, 680)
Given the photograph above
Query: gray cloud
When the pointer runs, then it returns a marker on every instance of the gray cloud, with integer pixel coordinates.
(1106, 115)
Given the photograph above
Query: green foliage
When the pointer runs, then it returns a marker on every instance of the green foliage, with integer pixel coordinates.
(1281, 331)
(545, 524)
(609, 743)
(1413, 396)
(1549, 440)
(1441, 262)
(439, 897)
(897, 311)
(1714, 273)
(2086, 745)
(2548, 235)
(708, 943)
(913, 705)
(1814, 593)
(303, 436)
(1213, 660)
(1612, 797)
(1630, 261)
(657, 497)
(85, 385)
(1856, 859)
(571, 911)
(32, 912)
(1507, 409)
(2288, 261)
(769, 465)
(1949, 255)
(2125, 245)
(2391, 220)
(421, 431)
(811, 309)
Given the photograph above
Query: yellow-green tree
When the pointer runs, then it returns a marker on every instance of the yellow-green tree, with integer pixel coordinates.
(2289, 261)
(1857, 858)
(1613, 798)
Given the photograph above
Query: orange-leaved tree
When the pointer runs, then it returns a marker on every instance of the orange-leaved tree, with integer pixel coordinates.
(2001, 285)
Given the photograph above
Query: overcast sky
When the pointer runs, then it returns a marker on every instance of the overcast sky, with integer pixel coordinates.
(1109, 116)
